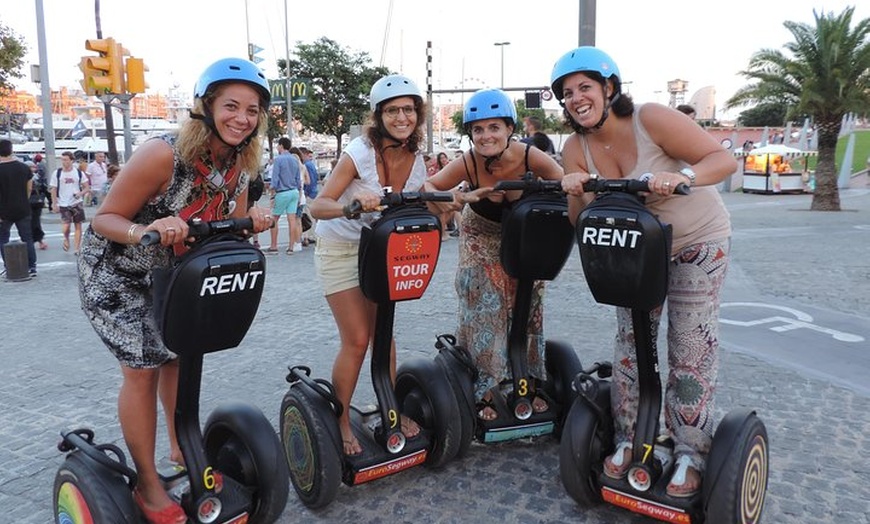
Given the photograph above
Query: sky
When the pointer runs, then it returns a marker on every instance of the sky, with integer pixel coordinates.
(704, 43)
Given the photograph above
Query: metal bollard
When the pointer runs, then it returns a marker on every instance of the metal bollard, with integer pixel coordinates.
(15, 257)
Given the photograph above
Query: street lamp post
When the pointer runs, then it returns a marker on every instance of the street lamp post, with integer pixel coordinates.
(501, 45)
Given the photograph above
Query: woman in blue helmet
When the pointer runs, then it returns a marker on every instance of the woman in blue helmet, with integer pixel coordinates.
(386, 155)
(203, 172)
(614, 139)
(486, 292)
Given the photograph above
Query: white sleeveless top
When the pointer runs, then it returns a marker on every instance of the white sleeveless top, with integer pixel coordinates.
(361, 151)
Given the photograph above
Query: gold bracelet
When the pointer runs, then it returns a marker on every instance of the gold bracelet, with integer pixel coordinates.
(131, 232)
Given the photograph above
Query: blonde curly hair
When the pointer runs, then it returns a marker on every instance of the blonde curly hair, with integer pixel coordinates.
(192, 141)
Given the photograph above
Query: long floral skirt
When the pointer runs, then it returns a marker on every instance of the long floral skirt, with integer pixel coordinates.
(486, 298)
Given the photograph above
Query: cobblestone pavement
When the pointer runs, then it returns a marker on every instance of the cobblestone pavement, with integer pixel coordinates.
(56, 374)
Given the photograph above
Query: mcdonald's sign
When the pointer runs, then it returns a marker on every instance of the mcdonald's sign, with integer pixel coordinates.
(298, 90)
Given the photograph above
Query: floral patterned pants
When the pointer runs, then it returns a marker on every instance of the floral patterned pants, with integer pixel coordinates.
(695, 279)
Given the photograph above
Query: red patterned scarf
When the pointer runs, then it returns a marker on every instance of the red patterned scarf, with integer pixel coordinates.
(212, 195)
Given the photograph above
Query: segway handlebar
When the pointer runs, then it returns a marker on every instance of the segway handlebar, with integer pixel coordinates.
(627, 185)
(354, 209)
(200, 229)
(529, 184)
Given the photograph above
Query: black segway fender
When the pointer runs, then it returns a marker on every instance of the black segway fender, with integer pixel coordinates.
(582, 450)
(424, 394)
(459, 368)
(562, 366)
(735, 482)
(242, 444)
(88, 491)
(312, 445)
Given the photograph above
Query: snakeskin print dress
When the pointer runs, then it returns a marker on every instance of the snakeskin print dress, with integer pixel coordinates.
(115, 279)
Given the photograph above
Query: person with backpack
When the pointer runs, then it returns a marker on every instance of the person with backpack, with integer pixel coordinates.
(37, 203)
(68, 189)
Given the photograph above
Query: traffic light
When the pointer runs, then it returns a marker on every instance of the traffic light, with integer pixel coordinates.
(136, 75)
(104, 73)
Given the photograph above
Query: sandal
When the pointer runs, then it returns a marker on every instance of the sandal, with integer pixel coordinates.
(271, 251)
(66, 244)
(171, 514)
(409, 427)
(486, 410)
(616, 465)
(683, 483)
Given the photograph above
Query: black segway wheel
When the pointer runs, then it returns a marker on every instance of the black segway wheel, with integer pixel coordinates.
(240, 442)
(562, 366)
(424, 394)
(460, 378)
(582, 449)
(310, 447)
(735, 482)
(85, 491)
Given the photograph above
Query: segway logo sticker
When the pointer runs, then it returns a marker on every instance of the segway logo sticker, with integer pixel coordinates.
(411, 259)
(645, 507)
(230, 283)
(610, 237)
(388, 468)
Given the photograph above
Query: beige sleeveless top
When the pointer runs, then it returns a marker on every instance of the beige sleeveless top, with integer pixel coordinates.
(698, 217)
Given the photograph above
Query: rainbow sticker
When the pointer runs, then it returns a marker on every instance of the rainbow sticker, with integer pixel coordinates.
(71, 506)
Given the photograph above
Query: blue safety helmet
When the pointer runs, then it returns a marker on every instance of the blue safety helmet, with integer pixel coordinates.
(393, 86)
(582, 59)
(234, 70)
(489, 103)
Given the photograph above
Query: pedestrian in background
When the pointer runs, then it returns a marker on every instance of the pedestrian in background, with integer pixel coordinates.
(286, 185)
(535, 135)
(310, 189)
(98, 174)
(69, 186)
(387, 154)
(202, 172)
(37, 203)
(486, 292)
(615, 139)
(16, 181)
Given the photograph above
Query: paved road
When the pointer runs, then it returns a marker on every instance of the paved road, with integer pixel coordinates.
(802, 371)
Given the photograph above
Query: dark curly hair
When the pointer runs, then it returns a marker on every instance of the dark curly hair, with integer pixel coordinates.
(623, 105)
(376, 131)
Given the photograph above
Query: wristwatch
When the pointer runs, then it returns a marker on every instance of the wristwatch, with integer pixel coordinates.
(688, 173)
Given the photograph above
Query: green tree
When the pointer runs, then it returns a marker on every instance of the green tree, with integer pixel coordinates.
(825, 76)
(340, 81)
(767, 114)
(12, 50)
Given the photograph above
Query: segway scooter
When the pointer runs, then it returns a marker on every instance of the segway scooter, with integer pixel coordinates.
(397, 258)
(234, 469)
(537, 239)
(625, 252)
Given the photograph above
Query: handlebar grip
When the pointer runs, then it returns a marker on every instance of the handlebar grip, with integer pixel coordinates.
(149, 238)
(352, 211)
(682, 189)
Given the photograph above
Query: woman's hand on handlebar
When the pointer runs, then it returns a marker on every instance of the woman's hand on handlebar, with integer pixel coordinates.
(369, 201)
(572, 183)
(172, 230)
(262, 219)
(664, 182)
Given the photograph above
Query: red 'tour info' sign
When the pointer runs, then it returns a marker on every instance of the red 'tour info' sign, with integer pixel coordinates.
(411, 259)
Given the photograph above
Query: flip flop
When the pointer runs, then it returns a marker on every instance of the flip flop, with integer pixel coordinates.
(172, 514)
(66, 244)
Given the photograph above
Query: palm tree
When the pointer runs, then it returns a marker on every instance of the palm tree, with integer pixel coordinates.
(826, 76)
